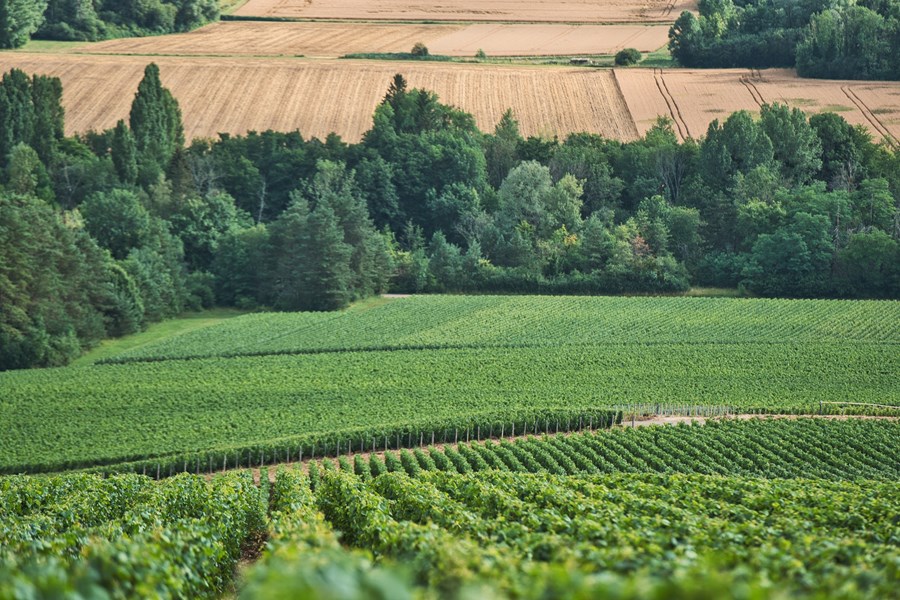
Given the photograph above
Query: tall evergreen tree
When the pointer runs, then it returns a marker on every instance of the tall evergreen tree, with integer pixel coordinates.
(156, 124)
(123, 150)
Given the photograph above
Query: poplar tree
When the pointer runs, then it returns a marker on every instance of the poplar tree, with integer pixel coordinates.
(156, 124)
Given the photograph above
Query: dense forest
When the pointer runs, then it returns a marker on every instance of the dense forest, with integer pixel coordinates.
(836, 39)
(105, 232)
(92, 20)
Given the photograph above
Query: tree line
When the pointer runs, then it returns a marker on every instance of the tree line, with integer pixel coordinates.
(833, 39)
(93, 20)
(104, 232)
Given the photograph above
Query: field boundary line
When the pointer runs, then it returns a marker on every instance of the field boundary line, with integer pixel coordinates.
(674, 111)
(112, 361)
(615, 76)
(870, 116)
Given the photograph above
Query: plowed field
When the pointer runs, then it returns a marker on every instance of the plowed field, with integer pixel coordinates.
(338, 39)
(319, 97)
(552, 11)
(694, 98)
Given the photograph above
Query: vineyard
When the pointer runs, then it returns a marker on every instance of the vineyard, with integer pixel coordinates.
(803, 448)
(214, 408)
(126, 536)
(273, 387)
(436, 322)
(795, 508)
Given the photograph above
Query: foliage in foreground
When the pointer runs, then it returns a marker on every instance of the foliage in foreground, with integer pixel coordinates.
(486, 535)
(127, 535)
(519, 532)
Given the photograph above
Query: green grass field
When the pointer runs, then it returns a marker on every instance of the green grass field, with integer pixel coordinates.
(428, 363)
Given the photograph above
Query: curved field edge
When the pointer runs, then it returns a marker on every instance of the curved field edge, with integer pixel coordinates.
(70, 418)
(435, 322)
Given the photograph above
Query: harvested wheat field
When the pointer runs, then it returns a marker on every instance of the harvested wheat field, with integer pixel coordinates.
(280, 39)
(694, 98)
(319, 97)
(540, 11)
(337, 39)
(549, 40)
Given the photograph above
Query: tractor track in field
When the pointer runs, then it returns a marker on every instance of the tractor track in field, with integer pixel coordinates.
(674, 110)
(747, 82)
(870, 116)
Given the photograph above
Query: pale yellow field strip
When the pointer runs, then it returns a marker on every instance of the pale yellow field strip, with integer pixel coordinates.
(694, 98)
(549, 40)
(540, 11)
(280, 39)
(320, 97)
(320, 39)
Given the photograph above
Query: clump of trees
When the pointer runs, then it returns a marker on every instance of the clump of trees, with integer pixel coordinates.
(105, 232)
(822, 38)
(627, 57)
(92, 20)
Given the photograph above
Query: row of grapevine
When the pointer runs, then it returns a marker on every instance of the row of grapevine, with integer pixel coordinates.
(772, 448)
(125, 536)
(473, 427)
(813, 536)
(434, 322)
(149, 411)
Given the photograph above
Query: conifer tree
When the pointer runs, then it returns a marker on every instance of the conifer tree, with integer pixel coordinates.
(156, 124)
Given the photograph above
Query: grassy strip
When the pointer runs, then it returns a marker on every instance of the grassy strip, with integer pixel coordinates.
(155, 333)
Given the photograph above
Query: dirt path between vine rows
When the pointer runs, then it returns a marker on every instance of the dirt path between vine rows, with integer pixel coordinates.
(638, 422)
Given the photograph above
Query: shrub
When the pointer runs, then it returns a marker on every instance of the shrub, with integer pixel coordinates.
(628, 57)
(419, 49)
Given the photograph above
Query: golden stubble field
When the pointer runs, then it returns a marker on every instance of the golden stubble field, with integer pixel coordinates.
(322, 39)
(319, 97)
(545, 11)
(693, 98)
(239, 94)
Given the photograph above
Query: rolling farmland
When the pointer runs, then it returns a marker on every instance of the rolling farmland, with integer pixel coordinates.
(418, 366)
(437, 322)
(567, 11)
(337, 39)
(235, 95)
(693, 98)
(240, 95)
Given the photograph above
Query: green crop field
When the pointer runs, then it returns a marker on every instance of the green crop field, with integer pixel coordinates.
(541, 363)
(514, 321)
(119, 413)
(780, 508)
(784, 448)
